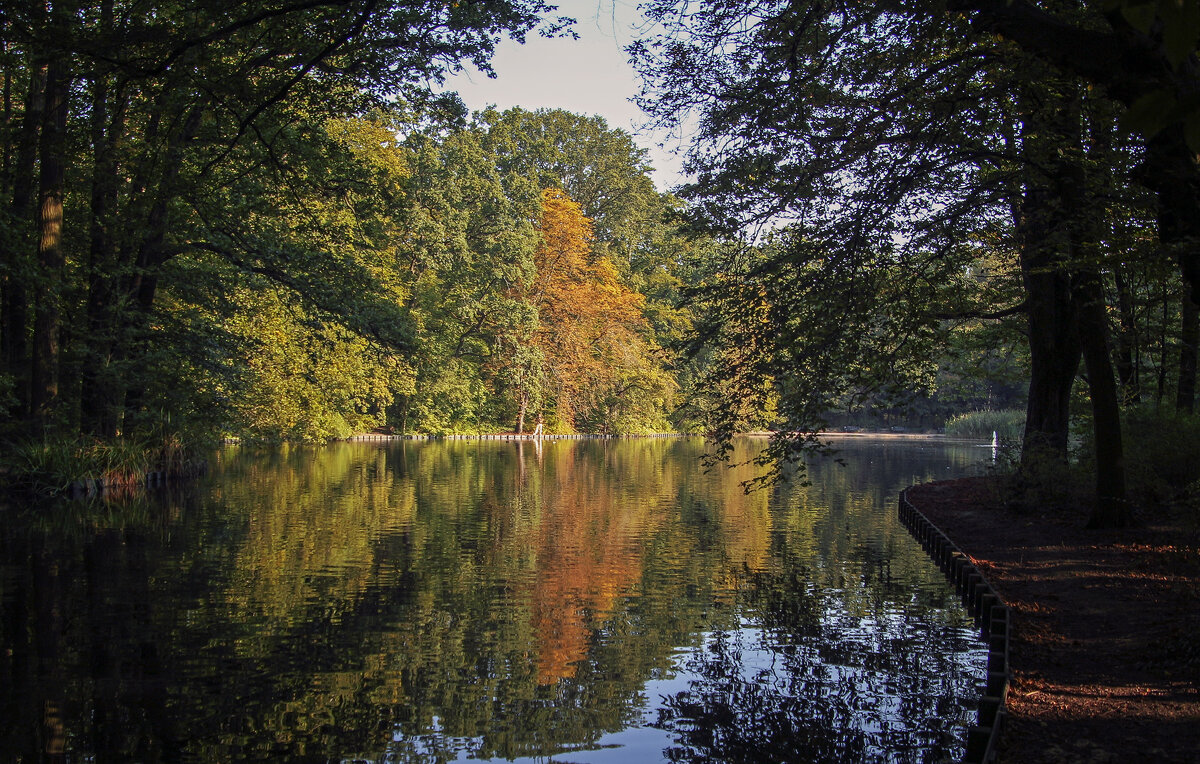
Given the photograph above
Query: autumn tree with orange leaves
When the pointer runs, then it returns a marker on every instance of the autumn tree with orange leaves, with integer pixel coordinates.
(589, 333)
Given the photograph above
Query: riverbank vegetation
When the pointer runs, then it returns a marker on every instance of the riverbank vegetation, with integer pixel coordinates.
(83, 464)
(1007, 424)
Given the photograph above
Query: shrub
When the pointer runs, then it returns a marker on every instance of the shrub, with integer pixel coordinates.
(1162, 456)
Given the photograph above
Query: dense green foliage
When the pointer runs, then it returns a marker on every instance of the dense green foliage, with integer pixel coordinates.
(260, 222)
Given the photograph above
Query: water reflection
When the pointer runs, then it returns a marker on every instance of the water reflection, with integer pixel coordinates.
(445, 601)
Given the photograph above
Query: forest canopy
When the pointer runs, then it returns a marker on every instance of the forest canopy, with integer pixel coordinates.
(260, 221)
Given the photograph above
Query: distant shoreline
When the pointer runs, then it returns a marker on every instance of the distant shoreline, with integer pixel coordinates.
(872, 434)
(510, 436)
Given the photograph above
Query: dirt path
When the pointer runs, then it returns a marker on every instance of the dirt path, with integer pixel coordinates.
(1105, 652)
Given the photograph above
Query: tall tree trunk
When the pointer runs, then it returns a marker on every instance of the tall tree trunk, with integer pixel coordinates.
(404, 414)
(1054, 350)
(1063, 224)
(6, 160)
(1111, 509)
(524, 407)
(1189, 338)
(1054, 360)
(1041, 228)
(101, 389)
(1161, 391)
(24, 184)
(1127, 342)
(6, 157)
(1082, 194)
(43, 386)
(1171, 171)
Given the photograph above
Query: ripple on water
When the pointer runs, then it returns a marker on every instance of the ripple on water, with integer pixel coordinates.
(588, 601)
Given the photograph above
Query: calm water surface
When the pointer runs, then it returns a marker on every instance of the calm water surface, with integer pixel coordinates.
(585, 601)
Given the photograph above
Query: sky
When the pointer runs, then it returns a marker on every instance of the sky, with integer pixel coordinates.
(590, 75)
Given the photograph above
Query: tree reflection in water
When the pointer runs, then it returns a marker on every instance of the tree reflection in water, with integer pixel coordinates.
(471, 601)
(748, 702)
(729, 716)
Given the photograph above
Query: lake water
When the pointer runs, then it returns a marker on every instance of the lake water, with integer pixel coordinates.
(585, 601)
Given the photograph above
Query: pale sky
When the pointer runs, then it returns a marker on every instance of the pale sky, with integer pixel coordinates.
(590, 76)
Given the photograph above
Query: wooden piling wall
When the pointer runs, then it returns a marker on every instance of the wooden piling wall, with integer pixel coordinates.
(994, 619)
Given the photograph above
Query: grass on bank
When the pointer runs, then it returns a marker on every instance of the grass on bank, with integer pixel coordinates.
(1009, 424)
(51, 465)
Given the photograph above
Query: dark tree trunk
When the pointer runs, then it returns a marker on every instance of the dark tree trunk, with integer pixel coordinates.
(1111, 509)
(1084, 216)
(6, 159)
(1054, 350)
(1189, 338)
(24, 169)
(43, 387)
(1054, 360)
(1044, 235)
(1127, 343)
(101, 404)
(6, 151)
(1161, 388)
(1171, 171)
(24, 184)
